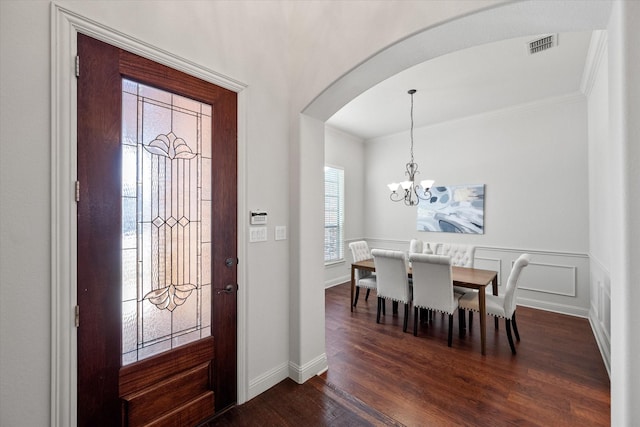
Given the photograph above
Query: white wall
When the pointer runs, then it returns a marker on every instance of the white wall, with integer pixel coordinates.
(347, 151)
(24, 214)
(601, 167)
(533, 161)
(624, 195)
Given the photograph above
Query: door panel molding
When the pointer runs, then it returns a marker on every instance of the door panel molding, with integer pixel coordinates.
(65, 25)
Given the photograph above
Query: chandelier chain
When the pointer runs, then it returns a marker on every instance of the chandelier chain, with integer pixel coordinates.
(412, 128)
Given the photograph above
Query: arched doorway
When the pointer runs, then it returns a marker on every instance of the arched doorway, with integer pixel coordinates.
(498, 23)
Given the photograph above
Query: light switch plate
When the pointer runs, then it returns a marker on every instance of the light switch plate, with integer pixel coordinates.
(281, 232)
(257, 234)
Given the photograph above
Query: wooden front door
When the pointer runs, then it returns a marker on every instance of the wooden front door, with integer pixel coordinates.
(157, 242)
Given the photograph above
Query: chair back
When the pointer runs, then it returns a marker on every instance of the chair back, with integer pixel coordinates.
(415, 246)
(512, 284)
(461, 255)
(432, 283)
(360, 252)
(391, 273)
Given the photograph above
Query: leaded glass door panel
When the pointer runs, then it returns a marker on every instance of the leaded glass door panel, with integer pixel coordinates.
(157, 336)
(166, 221)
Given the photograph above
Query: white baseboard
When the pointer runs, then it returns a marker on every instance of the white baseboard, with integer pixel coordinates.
(602, 340)
(300, 374)
(336, 281)
(267, 380)
(554, 307)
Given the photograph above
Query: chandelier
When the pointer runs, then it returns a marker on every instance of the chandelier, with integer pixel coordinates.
(409, 191)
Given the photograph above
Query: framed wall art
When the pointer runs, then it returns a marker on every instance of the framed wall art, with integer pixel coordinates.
(453, 209)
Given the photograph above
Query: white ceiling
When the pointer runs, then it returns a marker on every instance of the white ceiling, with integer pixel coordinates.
(468, 82)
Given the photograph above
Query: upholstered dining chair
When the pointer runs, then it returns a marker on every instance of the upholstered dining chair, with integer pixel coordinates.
(364, 279)
(392, 279)
(433, 288)
(415, 246)
(461, 256)
(503, 306)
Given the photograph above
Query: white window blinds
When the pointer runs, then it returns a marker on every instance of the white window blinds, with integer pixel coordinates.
(333, 214)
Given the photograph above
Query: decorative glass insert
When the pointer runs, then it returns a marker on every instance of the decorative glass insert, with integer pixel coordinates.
(166, 221)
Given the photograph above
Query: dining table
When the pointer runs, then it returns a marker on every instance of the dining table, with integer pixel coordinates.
(465, 277)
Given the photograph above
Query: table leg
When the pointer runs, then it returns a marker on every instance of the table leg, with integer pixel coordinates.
(353, 285)
(483, 318)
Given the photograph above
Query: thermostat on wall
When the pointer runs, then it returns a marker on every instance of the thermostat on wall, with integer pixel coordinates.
(258, 217)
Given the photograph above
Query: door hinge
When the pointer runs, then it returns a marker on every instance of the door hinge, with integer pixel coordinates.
(77, 316)
(77, 191)
(77, 65)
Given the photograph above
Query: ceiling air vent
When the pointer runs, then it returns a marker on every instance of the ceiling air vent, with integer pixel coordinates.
(543, 43)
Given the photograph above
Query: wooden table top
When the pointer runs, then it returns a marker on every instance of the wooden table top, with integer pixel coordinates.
(462, 276)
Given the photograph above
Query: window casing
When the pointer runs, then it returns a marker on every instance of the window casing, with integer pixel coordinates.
(333, 214)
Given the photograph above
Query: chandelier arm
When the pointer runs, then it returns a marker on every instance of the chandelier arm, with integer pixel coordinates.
(398, 197)
(425, 191)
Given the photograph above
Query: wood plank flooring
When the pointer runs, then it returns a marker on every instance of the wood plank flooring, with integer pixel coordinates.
(379, 375)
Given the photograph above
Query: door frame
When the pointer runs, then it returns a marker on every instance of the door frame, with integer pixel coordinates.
(65, 25)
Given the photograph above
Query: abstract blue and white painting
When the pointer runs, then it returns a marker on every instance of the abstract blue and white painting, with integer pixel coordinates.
(453, 209)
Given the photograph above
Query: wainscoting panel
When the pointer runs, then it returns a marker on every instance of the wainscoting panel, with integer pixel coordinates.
(550, 278)
(600, 312)
(553, 281)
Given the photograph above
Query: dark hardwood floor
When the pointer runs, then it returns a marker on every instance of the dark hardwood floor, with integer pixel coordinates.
(379, 375)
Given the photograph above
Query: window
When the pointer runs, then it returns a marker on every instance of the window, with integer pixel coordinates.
(333, 214)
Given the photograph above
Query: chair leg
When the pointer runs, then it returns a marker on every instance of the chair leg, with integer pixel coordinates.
(461, 328)
(380, 302)
(394, 304)
(366, 297)
(470, 319)
(406, 317)
(416, 316)
(355, 299)
(450, 340)
(515, 327)
(495, 319)
(513, 348)
(384, 306)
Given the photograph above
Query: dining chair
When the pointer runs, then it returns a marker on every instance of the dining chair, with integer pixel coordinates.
(415, 246)
(462, 255)
(364, 279)
(392, 280)
(433, 288)
(501, 306)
